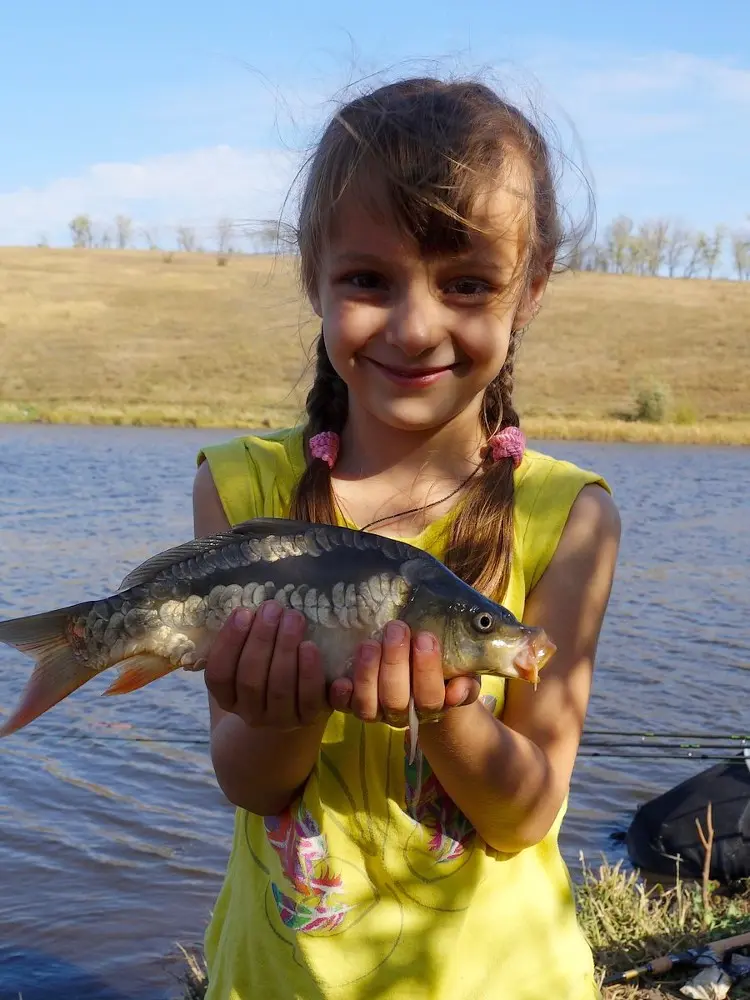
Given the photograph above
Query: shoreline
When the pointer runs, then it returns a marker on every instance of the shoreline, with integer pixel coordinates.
(735, 433)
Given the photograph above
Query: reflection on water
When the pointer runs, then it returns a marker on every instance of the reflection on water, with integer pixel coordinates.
(111, 852)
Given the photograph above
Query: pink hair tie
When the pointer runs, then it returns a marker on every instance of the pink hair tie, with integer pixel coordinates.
(325, 446)
(510, 442)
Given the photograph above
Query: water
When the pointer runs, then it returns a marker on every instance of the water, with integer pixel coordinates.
(111, 852)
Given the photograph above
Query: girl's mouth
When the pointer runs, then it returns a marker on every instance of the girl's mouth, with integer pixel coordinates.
(412, 376)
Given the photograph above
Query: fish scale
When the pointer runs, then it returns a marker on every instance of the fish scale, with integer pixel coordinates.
(347, 584)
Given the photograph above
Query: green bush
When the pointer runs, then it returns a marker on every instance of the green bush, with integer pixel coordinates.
(652, 404)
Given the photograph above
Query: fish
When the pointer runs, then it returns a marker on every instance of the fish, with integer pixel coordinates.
(347, 583)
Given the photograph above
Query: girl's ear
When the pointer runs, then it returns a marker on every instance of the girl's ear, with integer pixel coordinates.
(315, 303)
(530, 302)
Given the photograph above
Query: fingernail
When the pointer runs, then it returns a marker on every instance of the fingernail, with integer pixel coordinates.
(272, 613)
(425, 643)
(242, 618)
(395, 632)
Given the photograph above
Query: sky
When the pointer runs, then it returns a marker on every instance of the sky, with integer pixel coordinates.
(180, 113)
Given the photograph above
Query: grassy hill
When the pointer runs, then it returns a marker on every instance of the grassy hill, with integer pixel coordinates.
(142, 337)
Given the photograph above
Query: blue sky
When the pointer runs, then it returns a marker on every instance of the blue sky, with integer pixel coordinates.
(181, 112)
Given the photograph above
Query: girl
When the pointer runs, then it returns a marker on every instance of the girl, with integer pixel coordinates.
(428, 230)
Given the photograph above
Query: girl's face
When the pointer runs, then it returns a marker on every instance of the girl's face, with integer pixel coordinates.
(418, 339)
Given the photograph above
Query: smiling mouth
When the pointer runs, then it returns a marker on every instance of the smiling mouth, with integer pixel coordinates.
(412, 373)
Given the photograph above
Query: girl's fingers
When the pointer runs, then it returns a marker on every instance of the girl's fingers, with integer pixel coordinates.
(221, 662)
(255, 663)
(394, 682)
(311, 684)
(461, 691)
(281, 688)
(364, 702)
(340, 694)
(428, 683)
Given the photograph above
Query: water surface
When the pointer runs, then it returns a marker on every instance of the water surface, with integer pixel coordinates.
(113, 851)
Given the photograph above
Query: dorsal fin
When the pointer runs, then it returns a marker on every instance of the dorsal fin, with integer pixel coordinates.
(258, 527)
(152, 566)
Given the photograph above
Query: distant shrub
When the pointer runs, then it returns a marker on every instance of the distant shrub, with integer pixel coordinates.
(222, 259)
(167, 256)
(685, 414)
(652, 403)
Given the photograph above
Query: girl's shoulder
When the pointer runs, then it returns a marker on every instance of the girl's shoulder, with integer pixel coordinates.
(545, 490)
(540, 473)
(255, 474)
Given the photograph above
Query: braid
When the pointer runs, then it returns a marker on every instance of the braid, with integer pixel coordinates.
(484, 522)
(327, 406)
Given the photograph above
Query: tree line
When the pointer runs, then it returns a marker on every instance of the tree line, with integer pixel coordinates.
(656, 247)
(225, 237)
(665, 247)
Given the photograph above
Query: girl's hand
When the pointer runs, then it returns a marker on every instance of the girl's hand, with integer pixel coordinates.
(259, 669)
(387, 673)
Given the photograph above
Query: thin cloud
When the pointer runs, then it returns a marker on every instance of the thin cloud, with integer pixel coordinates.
(660, 135)
(194, 188)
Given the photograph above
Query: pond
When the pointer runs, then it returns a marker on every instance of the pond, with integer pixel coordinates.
(113, 850)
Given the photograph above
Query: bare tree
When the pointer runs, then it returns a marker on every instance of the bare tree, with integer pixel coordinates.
(695, 254)
(104, 240)
(653, 238)
(711, 250)
(150, 235)
(678, 242)
(635, 255)
(186, 238)
(741, 254)
(224, 229)
(617, 240)
(81, 231)
(124, 230)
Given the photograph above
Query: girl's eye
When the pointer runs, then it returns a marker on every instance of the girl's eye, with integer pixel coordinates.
(364, 281)
(468, 288)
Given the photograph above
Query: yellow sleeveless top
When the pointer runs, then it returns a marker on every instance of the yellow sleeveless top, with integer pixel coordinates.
(373, 884)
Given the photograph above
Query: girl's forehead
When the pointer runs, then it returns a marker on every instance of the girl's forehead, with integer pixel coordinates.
(498, 223)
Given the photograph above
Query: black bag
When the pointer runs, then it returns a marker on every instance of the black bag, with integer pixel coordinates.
(665, 827)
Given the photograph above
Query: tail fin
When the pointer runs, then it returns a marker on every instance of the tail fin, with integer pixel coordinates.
(58, 671)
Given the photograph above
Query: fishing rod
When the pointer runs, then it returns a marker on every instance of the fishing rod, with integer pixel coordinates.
(709, 954)
(663, 735)
(587, 753)
(599, 742)
(687, 755)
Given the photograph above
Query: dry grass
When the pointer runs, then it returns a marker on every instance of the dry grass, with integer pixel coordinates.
(127, 337)
(626, 924)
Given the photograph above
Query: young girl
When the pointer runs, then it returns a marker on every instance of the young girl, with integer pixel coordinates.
(428, 230)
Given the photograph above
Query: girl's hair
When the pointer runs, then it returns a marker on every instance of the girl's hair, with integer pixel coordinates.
(426, 149)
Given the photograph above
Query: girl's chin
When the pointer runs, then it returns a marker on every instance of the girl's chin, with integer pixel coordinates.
(410, 415)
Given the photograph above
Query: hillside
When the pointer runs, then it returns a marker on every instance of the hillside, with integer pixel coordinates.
(128, 336)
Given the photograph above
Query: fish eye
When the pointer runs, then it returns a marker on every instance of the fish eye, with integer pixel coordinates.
(483, 622)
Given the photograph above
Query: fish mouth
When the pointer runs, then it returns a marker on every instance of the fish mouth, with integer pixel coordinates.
(533, 655)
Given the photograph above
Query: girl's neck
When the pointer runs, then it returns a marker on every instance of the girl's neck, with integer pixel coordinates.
(373, 450)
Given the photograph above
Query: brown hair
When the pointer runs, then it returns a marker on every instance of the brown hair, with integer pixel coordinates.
(430, 147)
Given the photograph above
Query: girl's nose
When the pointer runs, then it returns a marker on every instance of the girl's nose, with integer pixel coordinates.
(413, 324)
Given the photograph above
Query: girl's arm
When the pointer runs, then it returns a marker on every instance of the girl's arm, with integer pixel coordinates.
(266, 694)
(510, 777)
